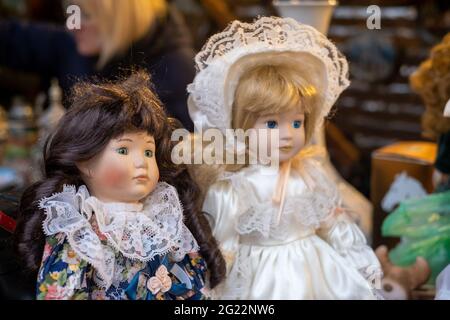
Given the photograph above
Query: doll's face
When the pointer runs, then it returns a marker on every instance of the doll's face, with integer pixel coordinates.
(291, 131)
(125, 171)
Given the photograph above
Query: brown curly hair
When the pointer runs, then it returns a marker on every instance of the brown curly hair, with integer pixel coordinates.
(432, 82)
(99, 113)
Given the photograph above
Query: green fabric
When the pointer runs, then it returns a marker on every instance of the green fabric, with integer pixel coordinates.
(424, 228)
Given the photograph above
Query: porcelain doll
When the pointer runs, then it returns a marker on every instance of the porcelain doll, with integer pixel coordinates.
(283, 231)
(114, 218)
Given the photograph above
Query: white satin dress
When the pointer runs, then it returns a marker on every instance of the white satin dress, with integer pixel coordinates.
(313, 252)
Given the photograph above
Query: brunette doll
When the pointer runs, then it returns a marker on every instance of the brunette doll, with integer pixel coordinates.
(114, 218)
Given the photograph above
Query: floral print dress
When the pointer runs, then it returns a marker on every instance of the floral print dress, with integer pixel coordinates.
(64, 275)
(155, 259)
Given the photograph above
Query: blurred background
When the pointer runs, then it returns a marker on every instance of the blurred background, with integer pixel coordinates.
(374, 135)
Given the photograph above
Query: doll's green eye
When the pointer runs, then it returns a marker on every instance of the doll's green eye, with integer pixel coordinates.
(271, 124)
(296, 124)
(122, 151)
(148, 153)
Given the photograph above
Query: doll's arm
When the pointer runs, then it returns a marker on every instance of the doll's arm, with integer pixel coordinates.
(221, 204)
(349, 241)
(339, 229)
(62, 275)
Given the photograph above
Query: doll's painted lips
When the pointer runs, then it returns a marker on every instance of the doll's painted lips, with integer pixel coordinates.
(286, 149)
(141, 178)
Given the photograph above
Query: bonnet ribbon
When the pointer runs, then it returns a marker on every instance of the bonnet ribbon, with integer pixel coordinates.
(280, 190)
(285, 171)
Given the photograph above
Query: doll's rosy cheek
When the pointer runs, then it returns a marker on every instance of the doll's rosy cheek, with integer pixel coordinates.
(114, 176)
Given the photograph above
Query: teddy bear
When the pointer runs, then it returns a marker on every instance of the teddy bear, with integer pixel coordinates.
(398, 282)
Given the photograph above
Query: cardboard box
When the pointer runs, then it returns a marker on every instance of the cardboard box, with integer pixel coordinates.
(399, 171)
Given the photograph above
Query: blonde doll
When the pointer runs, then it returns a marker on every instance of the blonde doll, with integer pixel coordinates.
(283, 232)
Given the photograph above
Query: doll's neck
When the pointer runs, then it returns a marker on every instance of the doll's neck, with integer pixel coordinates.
(108, 201)
(112, 202)
(93, 191)
(111, 205)
(123, 206)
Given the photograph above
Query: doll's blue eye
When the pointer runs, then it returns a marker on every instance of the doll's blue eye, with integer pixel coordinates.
(296, 124)
(271, 124)
(148, 153)
(122, 151)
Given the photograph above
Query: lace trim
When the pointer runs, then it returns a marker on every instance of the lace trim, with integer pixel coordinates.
(310, 208)
(267, 34)
(238, 281)
(157, 230)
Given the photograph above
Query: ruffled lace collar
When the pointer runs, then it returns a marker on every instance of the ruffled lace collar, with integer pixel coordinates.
(311, 198)
(138, 231)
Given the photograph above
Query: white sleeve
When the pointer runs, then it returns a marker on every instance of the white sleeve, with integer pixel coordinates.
(221, 203)
(348, 240)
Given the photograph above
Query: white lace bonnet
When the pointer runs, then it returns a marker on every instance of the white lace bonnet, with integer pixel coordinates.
(241, 46)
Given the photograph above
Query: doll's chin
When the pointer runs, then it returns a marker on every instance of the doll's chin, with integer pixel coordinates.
(138, 193)
(285, 156)
(278, 158)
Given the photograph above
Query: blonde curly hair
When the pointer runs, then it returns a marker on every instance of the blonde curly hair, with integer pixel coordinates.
(432, 82)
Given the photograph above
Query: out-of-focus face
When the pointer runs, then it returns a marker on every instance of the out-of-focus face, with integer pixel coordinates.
(291, 129)
(125, 171)
(88, 38)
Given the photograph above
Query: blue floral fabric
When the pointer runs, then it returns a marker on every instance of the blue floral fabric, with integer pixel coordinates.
(64, 275)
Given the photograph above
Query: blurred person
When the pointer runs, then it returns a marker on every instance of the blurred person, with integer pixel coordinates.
(115, 37)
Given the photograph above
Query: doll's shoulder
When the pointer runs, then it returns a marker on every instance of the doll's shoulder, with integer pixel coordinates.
(234, 193)
(318, 178)
(221, 199)
(221, 188)
(232, 183)
(315, 165)
(316, 169)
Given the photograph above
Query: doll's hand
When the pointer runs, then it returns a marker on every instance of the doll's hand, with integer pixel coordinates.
(330, 221)
(338, 211)
(373, 274)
